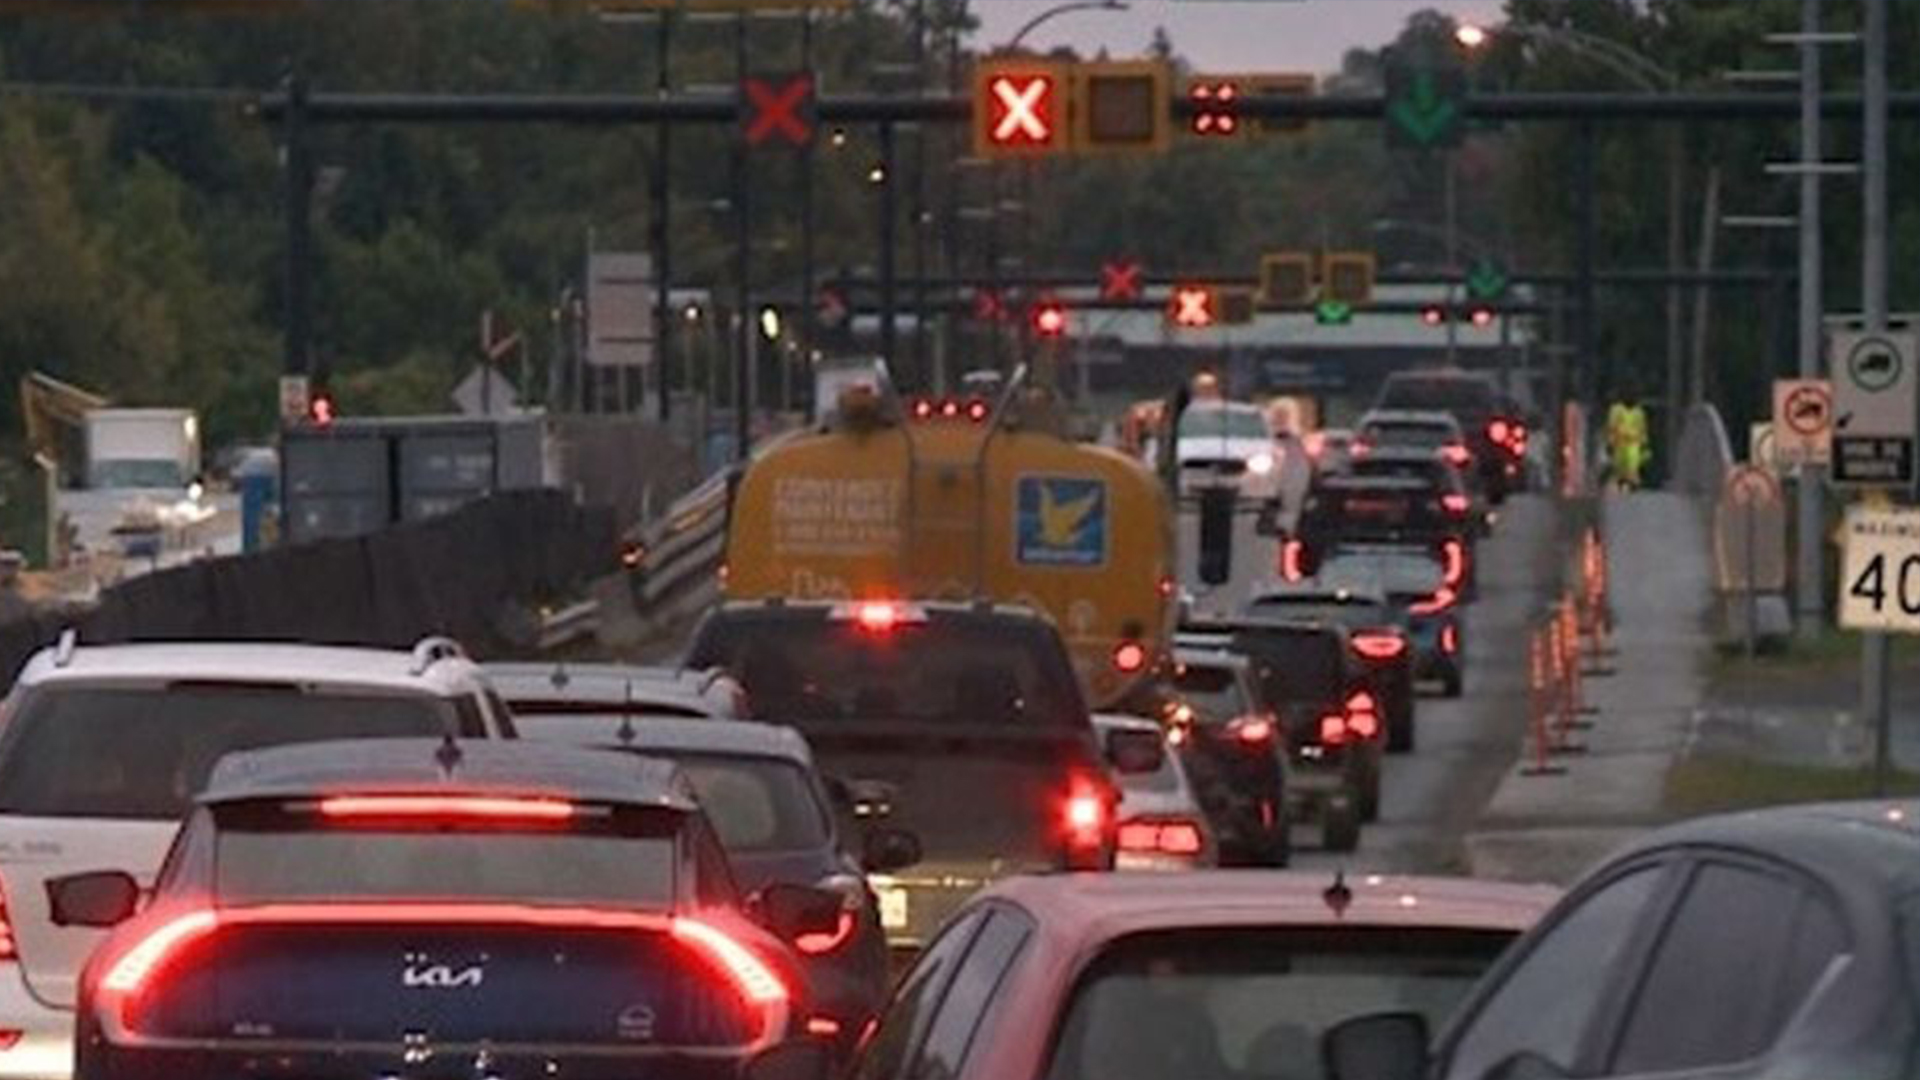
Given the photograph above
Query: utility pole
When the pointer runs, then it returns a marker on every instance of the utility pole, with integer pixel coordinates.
(809, 320)
(743, 329)
(1809, 590)
(1589, 325)
(1873, 304)
(298, 345)
(663, 227)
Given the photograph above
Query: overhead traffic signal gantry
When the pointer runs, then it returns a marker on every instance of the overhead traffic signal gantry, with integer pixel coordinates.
(1019, 108)
(1287, 278)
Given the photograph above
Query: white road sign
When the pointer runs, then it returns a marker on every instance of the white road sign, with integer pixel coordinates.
(1802, 422)
(1874, 406)
(620, 297)
(1880, 576)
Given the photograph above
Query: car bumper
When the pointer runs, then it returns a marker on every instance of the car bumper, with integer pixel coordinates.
(44, 1047)
(466, 1063)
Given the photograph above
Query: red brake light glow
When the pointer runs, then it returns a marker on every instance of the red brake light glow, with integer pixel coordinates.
(1457, 455)
(8, 951)
(1315, 444)
(755, 980)
(922, 409)
(1363, 716)
(825, 1027)
(482, 807)
(1500, 432)
(877, 616)
(1333, 730)
(1379, 646)
(1438, 602)
(1083, 817)
(131, 971)
(820, 944)
(1161, 837)
(1455, 571)
(1450, 639)
(977, 411)
(1253, 729)
(1293, 558)
(1455, 503)
(1129, 657)
(949, 408)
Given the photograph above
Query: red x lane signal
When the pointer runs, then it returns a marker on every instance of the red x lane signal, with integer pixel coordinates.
(1019, 109)
(1120, 281)
(1194, 307)
(778, 109)
(988, 306)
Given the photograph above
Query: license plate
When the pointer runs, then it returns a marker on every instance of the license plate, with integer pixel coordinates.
(893, 906)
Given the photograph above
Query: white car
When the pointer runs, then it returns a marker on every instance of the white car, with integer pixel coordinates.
(597, 696)
(104, 747)
(1229, 443)
(1162, 826)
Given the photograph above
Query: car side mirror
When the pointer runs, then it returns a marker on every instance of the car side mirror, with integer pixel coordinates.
(808, 1059)
(1382, 1046)
(886, 850)
(794, 911)
(1136, 753)
(868, 800)
(98, 899)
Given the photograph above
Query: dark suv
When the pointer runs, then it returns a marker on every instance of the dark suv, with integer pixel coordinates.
(1496, 434)
(916, 709)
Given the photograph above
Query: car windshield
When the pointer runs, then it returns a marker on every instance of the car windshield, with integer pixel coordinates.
(144, 752)
(624, 857)
(136, 473)
(1448, 394)
(1223, 423)
(1253, 1003)
(1213, 691)
(942, 670)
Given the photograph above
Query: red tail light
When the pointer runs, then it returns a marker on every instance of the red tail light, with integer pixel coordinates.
(852, 892)
(1084, 819)
(1455, 503)
(1379, 646)
(1167, 586)
(1161, 837)
(1500, 432)
(1435, 604)
(757, 982)
(825, 1027)
(131, 972)
(1457, 455)
(1293, 560)
(1450, 639)
(1333, 730)
(8, 950)
(949, 408)
(454, 807)
(1129, 657)
(1253, 730)
(1359, 448)
(1453, 555)
(1363, 715)
(877, 617)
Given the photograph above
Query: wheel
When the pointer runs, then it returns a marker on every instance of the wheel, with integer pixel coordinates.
(1450, 685)
(1280, 846)
(1400, 731)
(1339, 827)
(1365, 780)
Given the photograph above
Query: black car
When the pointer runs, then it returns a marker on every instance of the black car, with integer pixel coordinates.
(1376, 635)
(1468, 518)
(1418, 584)
(427, 909)
(774, 815)
(1777, 943)
(1233, 749)
(1495, 432)
(916, 709)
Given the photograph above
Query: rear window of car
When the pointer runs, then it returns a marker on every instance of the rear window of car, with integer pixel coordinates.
(145, 751)
(1449, 394)
(1366, 508)
(1349, 613)
(1401, 574)
(1420, 435)
(756, 804)
(626, 857)
(1429, 473)
(1254, 1002)
(1296, 664)
(947, 671)
(1201, 423)
(1213, 691)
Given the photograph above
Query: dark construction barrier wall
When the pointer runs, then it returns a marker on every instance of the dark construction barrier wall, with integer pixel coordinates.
(463, 574)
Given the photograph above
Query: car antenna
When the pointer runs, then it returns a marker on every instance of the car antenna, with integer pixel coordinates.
(559, 678)
(449, 755)
(626, 732)
(1337, 895)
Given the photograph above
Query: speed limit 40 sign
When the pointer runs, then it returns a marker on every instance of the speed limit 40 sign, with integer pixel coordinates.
(1880, 582)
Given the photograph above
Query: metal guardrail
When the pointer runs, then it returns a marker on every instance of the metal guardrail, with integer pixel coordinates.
(681, 558)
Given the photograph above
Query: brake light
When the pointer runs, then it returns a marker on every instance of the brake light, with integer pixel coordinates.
(1455, 503)
(1333, 730)
(1453, 553)
(1084, 818)
(877, 617)
(1129, 657)
(483, 807)
(1379, 646)
(977, 411)
(1161, 837)
(949, 408)
(756, 981)
(1293, 559)
(1167, 586)
(1253, 730)
(1500, 432)
(1457, 455)
(826, 1027)
(8, 950)
(1438, 602)
(818, 944)
(1450, 639)
(1359, 448)
(1363, 716)
(135, 966)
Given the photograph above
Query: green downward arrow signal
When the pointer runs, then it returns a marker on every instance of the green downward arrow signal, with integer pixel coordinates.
(1423, 113)
(1332, 312)
(1486, 282)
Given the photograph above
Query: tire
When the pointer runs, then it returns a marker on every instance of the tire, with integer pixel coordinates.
(1452, 684)
(1366, 791)
(1339, 828)
(1280, 852)
(1400, 731)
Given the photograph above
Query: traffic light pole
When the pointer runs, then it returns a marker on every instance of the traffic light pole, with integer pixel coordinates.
(1809, 566)
(744, 375)
(1452, 197)
(889, 299)
(1588, 298)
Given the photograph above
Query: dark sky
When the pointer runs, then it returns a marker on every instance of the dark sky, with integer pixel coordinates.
(1225, 35)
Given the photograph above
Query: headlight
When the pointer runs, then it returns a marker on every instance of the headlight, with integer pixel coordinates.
(1260, 464)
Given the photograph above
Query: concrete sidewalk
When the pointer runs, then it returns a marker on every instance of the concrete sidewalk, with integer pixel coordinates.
(1549, 828)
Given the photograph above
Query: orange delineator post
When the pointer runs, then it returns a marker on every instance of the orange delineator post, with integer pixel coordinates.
(1540, 702)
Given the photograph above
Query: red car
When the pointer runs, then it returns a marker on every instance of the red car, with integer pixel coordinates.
(1174, 976)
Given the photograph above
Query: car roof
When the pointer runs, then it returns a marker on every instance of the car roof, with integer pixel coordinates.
(1400, 452)
(1105, 906)
(610, 684)
(1348, 482)
(1105, 722)
(419, 766)
(435, 666)
(1225, 406)
(1431, 417)
(1226, 626)
(1206, 656)
(1878, 838)
(736, 738)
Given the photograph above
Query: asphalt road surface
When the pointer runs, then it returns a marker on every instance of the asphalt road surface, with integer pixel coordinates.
(1433, 797)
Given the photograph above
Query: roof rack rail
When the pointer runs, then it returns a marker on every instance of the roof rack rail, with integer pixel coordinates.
(63, 648)
(429, 651)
